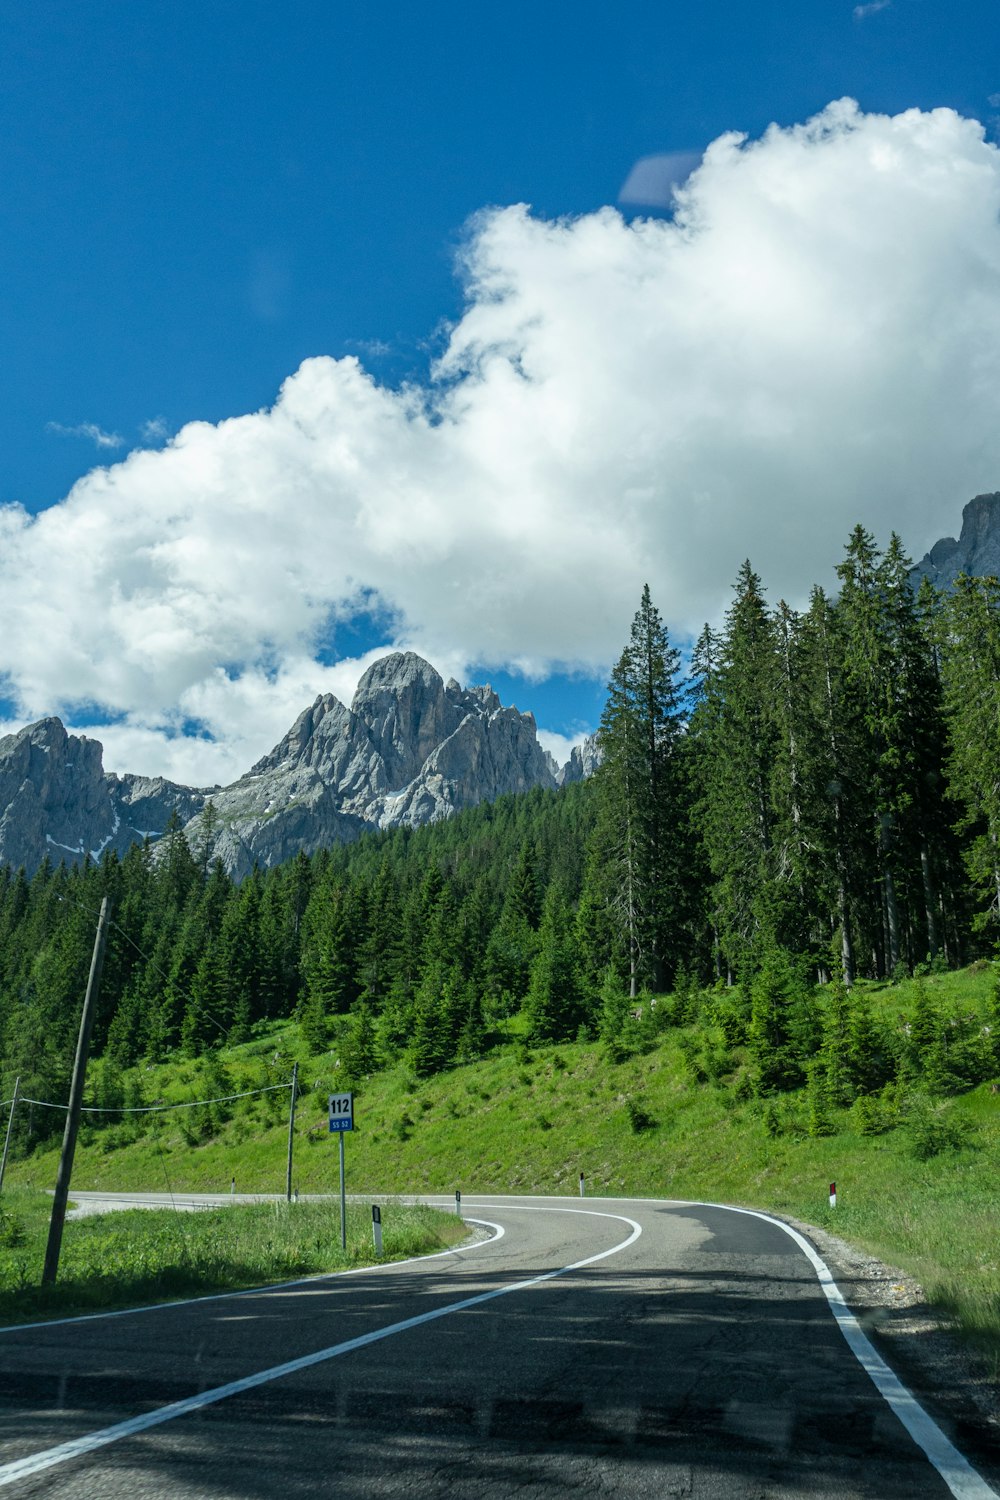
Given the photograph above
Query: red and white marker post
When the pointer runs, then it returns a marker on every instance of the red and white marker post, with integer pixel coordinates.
(833, 1195)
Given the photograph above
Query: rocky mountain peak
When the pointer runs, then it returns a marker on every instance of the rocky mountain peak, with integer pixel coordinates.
(583, 762)
(976, 551)
(56, 801)
(402, 701)
(395, 674)
(53, 796)
(409, 749)
(301, 736)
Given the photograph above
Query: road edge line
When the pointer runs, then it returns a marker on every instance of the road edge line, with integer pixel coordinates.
(954, 1468)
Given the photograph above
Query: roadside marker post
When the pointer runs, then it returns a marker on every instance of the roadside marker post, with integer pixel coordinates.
(232, 1188)
(833, 1195)
(377, 1228)
(341, 1120)
(458, 1202)
(581, 1186)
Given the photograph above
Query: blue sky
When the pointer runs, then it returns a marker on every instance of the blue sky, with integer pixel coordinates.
(197, 199)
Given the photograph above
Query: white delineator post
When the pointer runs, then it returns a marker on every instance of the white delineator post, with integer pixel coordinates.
(581, 1185)
(833, 1195)
(458, 1202)
(377, 1228)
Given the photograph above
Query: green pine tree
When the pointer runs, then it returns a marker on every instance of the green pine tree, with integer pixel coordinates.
(554, 1005)
(640, 835)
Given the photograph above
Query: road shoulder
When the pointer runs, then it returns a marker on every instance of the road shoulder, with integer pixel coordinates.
(922, 1345)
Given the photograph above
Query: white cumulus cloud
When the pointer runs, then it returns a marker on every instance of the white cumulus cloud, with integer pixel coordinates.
(813, 339)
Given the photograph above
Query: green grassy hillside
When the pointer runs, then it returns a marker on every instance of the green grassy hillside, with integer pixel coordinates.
(916, 1174)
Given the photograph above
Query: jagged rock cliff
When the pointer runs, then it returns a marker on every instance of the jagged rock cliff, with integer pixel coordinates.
(976, 552)
(583, 762)
(409, 750)
(56, 800)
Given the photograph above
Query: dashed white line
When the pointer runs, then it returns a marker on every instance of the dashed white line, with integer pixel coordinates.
(34, 1463)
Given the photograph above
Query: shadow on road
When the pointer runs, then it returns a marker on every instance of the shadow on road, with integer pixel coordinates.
(709, 1377)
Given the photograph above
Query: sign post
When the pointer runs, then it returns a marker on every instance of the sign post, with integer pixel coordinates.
(341, 1120)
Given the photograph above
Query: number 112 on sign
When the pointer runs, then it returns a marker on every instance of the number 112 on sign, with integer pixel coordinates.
(341, 1112)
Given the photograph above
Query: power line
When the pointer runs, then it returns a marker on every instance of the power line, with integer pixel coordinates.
(151, 1109)
(219, 1025)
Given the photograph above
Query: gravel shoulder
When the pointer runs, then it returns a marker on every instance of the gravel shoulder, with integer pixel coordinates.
(922, 1345)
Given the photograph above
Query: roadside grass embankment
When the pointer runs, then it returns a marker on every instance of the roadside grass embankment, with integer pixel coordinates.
(918, 1174)
(137, 1256)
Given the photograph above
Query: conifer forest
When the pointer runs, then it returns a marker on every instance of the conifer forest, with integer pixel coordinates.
(812, 800)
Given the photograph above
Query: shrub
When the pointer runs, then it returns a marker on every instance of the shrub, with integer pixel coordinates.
(932, 1129)
(692, 1058)
(874, 1114)
(12, 1231)
(820, 1121)
(742, 1089)
(639, 1118)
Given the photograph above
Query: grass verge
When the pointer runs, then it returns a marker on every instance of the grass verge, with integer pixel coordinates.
(136, 1256)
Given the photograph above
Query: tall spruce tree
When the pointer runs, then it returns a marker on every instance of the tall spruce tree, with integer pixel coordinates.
(971, 672)
(894, 714)
(738, 742)
(832, 775)
(641, 818)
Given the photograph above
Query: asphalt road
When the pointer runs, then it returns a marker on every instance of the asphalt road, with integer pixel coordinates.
(688, 1351)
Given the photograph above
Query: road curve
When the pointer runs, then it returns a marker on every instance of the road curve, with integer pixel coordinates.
(628, 1348)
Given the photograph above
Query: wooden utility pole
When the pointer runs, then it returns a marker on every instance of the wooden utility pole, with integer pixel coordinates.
(10, 1128)
(75, 1099)
(291, 1131)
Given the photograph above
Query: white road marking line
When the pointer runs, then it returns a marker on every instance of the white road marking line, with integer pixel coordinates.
(956, 1471)
(258, 1291)
(21, 1468)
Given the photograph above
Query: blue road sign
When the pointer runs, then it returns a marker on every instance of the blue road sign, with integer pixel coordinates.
(341, 1112)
